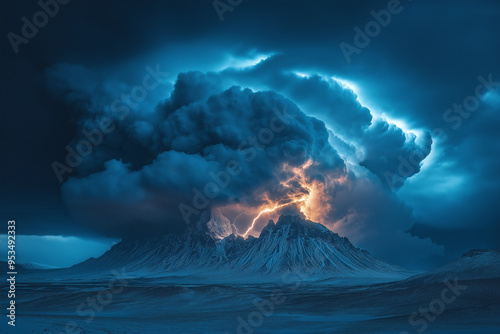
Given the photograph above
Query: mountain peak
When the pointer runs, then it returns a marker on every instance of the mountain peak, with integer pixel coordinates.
(299, 222)
(297, 226)
(212, 225)
(476, 252)
(219, 226)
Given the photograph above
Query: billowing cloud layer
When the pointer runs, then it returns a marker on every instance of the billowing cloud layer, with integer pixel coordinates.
(229, 145)
(215, 144)
(382, 147)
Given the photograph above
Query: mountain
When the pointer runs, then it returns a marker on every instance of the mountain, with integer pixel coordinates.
(28, 266)
(38, 266)
(210, 246)
(474, 265)
(294, 244)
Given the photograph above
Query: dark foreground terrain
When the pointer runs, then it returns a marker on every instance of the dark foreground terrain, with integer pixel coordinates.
(298, 306)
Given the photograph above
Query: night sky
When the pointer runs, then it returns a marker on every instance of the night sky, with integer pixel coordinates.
(393, 109)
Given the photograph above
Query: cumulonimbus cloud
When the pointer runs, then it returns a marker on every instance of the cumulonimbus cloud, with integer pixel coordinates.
(156, 160)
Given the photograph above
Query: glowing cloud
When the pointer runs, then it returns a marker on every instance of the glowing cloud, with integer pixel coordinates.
(311, 196)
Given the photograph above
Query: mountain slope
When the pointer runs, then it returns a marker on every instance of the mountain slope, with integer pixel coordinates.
(473, 265)
(295, 244)
(28, 266)
(292, 244)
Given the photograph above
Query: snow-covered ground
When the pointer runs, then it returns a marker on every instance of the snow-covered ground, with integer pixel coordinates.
(144, 306)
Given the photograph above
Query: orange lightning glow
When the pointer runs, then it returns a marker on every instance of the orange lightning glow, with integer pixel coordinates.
(310, 195)
(269, 210)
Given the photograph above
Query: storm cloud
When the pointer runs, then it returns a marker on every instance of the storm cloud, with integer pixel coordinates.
(211, 144)
(198, 137)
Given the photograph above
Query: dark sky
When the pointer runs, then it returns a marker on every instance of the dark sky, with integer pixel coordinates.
(427, 58)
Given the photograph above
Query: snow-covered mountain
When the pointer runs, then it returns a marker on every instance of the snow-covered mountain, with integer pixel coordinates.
(291, 244)
(29, 266)
(294, 244)
(473, 265)
(37, 266)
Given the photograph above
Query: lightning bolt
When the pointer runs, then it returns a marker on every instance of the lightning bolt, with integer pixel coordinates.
(303, 199)
(310, 192)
